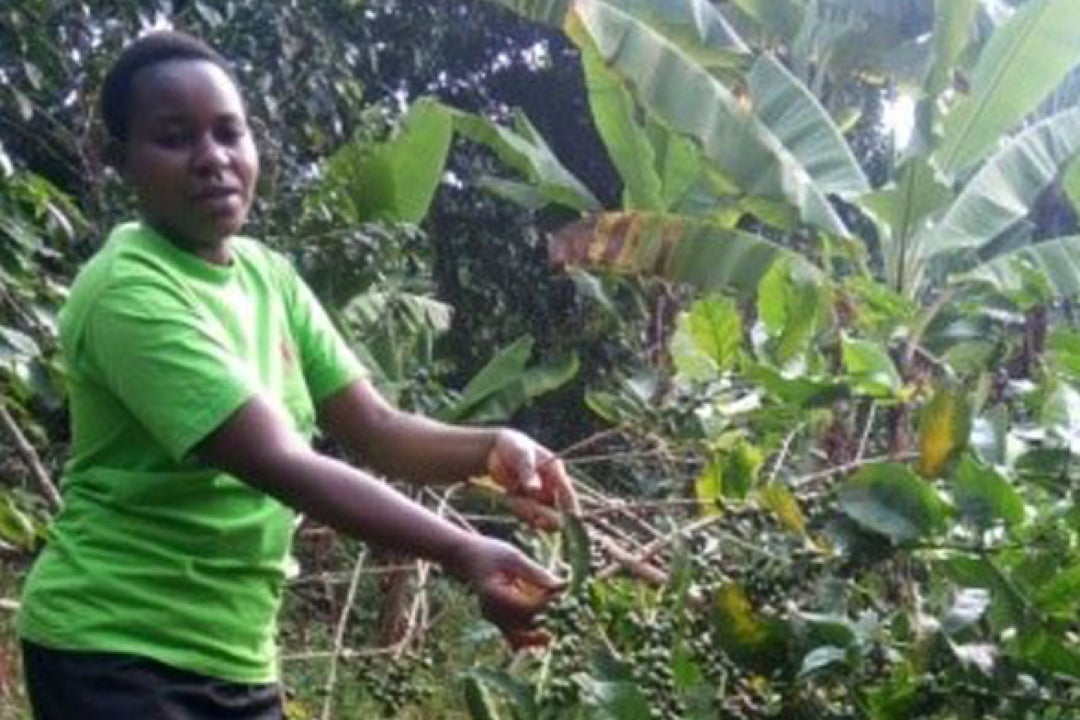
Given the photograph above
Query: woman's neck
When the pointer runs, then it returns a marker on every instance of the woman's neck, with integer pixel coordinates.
(217, 252)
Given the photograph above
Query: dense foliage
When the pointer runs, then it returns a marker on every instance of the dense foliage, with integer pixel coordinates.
(818, 381)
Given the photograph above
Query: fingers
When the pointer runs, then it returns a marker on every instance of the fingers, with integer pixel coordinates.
(518, 600)
(530, 470)
(561, 488)
(512, 590)
(512, 463)
(507, 606)
(519, 590)
(525, 570)
(523, 464)
(533, 513)
(513, 607)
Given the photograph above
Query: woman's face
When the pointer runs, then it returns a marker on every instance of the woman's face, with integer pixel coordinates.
(190, 155)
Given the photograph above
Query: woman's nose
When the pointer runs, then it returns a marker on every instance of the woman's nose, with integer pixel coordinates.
(210, 156)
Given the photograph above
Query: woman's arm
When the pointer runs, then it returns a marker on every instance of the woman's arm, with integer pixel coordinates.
(401, 444)
(411, 447)
(257, 445)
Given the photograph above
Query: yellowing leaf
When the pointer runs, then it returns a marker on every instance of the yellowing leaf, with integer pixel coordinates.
(697, 252)
(944, 429)
(487, 484)
(741, 469)
(734, 609)
(707, 489)
(782, 503)
(757, 642)
(297, 709)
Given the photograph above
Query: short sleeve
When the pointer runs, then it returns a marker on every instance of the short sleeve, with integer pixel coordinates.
(166, 364)
(328, 363)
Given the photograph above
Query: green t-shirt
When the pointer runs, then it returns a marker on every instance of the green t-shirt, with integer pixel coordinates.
(154, 553)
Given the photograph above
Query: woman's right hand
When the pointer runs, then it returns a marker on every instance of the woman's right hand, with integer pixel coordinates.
(512, 589)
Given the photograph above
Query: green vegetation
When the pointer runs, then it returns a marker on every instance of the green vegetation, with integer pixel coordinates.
(820, 385)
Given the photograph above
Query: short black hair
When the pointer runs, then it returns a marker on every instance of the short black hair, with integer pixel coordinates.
(151, 49)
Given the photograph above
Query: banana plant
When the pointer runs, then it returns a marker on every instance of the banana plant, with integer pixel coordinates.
(1021, 65)
(747, 137)
(830, 41)
(940, 213)
(703, 134)
(394, 327)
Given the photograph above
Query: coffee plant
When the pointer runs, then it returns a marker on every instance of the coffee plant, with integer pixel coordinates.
(877, 592)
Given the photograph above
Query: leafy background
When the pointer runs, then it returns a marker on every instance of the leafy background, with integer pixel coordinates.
(789, 284)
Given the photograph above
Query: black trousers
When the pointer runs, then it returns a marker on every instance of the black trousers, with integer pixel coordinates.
(111, 686)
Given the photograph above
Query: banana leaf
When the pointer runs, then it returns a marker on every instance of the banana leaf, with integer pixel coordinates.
(615, 115)
(860, 38)
(901, 211)
(396, 180)
(953, 22)
(781, 18)
(507, 383)
(526, 152)
(1004, 189)
(801, 124)
(688, 98)
(695, 25)
(1019, 67)
(1058, 261)
(706, 255)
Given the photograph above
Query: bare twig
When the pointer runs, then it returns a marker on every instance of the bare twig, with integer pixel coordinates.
(638, 506)
(781, 457)
(9, 605)
(598, 524)
(653, 548)
(649, 551)
(616, 456)
(339, 578)
(600, 498)
(452, 513)
(339, 637)
(415, 619)
(603, 534)
(633, 564)
(870, 417)
(805, 480)
(569, 450)
(30, 458)
(343, 654)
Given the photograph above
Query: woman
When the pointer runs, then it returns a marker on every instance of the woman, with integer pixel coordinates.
(199, 365)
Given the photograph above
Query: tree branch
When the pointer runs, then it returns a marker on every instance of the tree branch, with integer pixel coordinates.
(339, 637)
(30, 458)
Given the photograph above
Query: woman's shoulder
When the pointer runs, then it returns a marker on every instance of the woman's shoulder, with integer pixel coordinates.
(263, 259)
(129, 258)
(254, 250)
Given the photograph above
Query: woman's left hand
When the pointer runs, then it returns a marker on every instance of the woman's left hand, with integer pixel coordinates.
(526, 469)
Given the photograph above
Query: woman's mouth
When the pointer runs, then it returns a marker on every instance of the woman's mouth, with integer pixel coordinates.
(219, 200)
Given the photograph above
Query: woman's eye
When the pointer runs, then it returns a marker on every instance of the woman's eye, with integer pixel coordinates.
(174, 139)
(230, 135)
